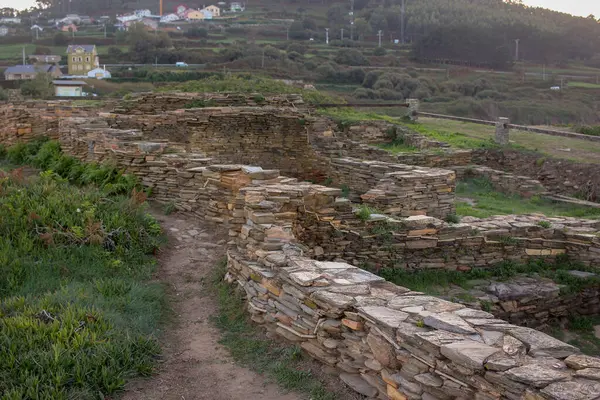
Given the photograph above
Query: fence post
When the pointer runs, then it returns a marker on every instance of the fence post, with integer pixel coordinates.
(502, 131)
(413, 109)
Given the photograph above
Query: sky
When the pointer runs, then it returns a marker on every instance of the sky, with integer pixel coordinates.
(576, 7)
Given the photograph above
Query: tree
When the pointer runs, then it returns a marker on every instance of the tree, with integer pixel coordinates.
(361, 27)
(351, 57)
(39, 87)
(42, 50)
(60, 39)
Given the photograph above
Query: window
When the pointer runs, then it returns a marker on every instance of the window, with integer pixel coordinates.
(87, 59)
(74, 59)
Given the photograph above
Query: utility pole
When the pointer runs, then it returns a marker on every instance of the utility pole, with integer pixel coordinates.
(544, 73)
(24, 55)
(352, 20)
(517, 49)
(380, 33)
(105, 31)
(161, 7)
(342, 33)
(263, 59)
(327, 35)
(288, 32)
(402, 15)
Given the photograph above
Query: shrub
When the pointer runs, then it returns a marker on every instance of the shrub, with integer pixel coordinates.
(3, 95)
(197, 32)
(351, 57)
(490, 94)
(452, 219)
(588, 130)
(545, 224)
(296, 47)
(60, 39)
(39, 87)
(364, 212)
(42, 50)
(310, 65)
(379, 51)
(421, 93)
(271, 52)
(294, 56)
(370, 79)
(383, 83)
(387, 94)
(115, 52)
(362, 93)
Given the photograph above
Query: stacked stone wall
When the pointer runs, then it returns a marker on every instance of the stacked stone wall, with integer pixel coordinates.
(384, 340)
(561, 176)
(153, 103)
(503, 182)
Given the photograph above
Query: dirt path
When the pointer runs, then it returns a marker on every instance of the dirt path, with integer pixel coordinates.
(194, 365)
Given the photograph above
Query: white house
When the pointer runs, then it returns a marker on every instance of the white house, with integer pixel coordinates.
(207, 14)
(127, 18)
(4, 30)
(142, 13)
(99, 73)
(169, 18)
(236, 7)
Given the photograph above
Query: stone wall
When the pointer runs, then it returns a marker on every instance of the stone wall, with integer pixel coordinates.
(503, 182)
(383, 131)
(560, 176)
(154, 103)
(384, 340)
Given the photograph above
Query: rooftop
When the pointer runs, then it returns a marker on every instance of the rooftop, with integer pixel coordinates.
(88, 48)
(69, 83)
(28, 69)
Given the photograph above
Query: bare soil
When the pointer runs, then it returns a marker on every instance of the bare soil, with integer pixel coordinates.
(194, 365)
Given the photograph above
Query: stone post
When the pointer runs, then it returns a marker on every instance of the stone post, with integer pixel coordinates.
(502, 131)
(413, 109)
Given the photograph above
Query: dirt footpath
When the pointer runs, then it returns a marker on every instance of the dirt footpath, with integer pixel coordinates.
(194, 365)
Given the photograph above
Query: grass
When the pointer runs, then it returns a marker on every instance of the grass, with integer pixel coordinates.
(346, 117)
(248, 346)
(584, 85)
(246, 83)
(580, 333)
(434, 281)
(489, 202)
(77, 311)
(469, 135)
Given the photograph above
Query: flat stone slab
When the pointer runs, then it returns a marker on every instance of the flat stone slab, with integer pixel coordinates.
(386, 316)
(536, 375)
(580, 361)
(537, 341)
(449, 322)
(359, 384)
(468, 353)
(574, 390)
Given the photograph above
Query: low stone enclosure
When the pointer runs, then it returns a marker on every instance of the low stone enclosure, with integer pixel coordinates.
(293, 245)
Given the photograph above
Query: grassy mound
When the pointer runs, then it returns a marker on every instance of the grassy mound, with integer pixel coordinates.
(77, 315)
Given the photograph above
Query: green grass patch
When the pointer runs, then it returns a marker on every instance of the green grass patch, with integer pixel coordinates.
(249, 347)
(454, 139)
(584, 85)
(346, 117)
(77, 311)
(489, 202)
(435, 281)
(580, 333)
(245, 83)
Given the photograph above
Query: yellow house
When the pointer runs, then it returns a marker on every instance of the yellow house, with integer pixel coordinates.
(214, 10)
(82, 59)
(194, 15)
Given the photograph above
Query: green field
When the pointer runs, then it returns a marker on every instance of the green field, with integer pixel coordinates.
(584, 85)
(555, 146)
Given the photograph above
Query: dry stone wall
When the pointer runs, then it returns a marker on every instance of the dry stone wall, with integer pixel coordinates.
(501, 181)
(561, 176)
(154, 103)
(384, 340)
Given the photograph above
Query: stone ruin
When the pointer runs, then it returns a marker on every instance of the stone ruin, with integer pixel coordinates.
(293, 243)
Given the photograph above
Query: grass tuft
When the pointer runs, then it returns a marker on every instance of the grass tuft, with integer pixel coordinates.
(249, 347)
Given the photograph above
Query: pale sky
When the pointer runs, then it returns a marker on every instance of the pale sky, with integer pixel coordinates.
(577, 7)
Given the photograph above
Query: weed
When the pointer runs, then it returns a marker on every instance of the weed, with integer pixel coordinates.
(420, 324)
(540, 161)
(452, 219)
(169, 208)
(200, 103)
(345, 191)
(250, 348)
(258, 98)
(486, 305)
(364, 212)
(508, 240)
(545, 224)
(328, 181)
